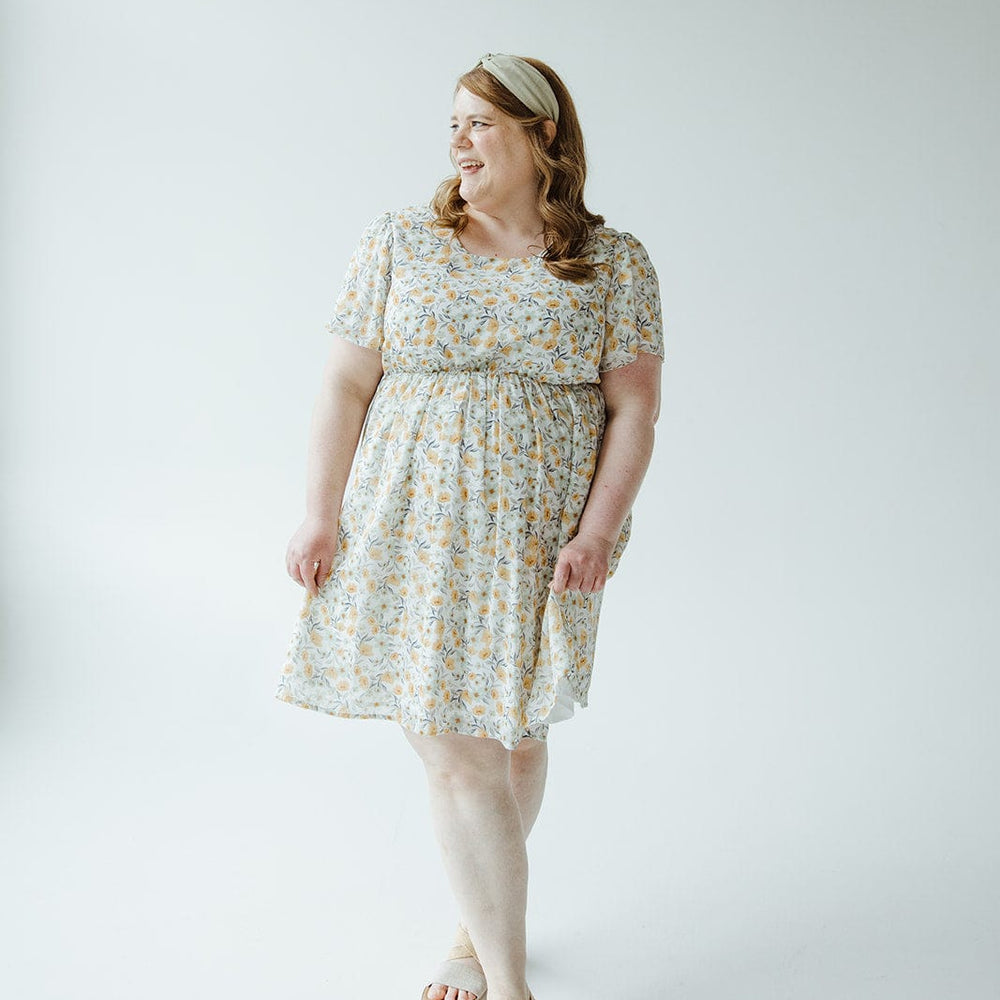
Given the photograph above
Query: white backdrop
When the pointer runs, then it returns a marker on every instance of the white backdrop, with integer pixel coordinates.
(785, 785)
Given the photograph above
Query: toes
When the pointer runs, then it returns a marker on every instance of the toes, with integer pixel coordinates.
(438, 992)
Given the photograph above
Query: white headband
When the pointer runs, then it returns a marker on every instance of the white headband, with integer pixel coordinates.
(524, 81)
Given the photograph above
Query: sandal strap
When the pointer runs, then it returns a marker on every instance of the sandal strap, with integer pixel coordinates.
(463, 946)
(461, 977)
(460, 951)
(458, 974)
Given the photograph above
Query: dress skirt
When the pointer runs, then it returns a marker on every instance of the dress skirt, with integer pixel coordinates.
(472, 472)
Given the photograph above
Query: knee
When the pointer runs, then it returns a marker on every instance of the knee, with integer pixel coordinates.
(463, 763)
(463, 779)
(529, 757)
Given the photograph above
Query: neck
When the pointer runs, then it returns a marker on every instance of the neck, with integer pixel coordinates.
(510, 220)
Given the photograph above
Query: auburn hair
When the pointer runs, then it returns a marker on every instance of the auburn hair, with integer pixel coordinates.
(562, 170)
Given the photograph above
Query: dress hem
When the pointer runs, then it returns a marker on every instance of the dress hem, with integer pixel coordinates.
(399, 717)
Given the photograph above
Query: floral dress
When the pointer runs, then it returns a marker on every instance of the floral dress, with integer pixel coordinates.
(472, 471)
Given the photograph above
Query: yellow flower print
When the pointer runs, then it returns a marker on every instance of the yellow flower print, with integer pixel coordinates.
(474, 465)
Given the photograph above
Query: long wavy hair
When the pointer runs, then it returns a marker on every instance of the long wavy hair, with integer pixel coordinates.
(562, 170)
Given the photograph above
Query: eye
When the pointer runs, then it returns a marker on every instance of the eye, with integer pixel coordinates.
(475, 123)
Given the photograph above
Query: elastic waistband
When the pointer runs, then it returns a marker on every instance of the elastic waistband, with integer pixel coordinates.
(466, 373)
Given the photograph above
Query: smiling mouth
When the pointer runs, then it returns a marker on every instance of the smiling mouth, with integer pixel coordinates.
(470, 166)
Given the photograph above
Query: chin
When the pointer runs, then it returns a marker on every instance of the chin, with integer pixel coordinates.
(469, 194)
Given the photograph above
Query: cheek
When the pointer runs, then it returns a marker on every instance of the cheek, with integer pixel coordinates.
(515, 158)
(526, 164)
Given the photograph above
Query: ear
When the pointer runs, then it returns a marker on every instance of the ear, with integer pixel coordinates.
(549, 127)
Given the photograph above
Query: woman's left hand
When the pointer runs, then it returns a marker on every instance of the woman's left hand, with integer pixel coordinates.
(582, 564)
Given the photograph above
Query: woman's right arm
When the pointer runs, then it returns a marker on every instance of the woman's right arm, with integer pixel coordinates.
(351, 375)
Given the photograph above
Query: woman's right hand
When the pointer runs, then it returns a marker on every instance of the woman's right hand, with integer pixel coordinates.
(311, 551)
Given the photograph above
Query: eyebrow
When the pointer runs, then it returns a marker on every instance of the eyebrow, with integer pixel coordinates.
(483, 117)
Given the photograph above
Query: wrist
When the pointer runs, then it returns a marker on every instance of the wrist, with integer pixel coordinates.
(597, 537)
(322, 516)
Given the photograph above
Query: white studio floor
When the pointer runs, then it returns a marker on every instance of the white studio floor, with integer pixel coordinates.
(171, 830)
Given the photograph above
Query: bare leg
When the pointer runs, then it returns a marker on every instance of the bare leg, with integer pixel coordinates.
(528, 767)
(479, 827)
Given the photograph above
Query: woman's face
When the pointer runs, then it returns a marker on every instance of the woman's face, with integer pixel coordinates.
(491, 152)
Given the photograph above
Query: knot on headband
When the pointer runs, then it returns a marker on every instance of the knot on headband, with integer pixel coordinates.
(524, 81)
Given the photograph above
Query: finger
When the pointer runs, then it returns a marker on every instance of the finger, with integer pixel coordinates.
(595, 578)
(321, 570)
(560, 576)
(308, 569)
(316, 569)
(581, 577)
(293, 572)
(572, 577)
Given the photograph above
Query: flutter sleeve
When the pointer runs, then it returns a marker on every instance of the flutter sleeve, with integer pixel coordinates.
(360, 306)
(633, 322)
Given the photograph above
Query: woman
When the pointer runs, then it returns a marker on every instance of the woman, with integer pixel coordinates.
(495, 382)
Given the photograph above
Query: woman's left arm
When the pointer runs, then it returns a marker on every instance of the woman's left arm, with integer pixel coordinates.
(632, 397)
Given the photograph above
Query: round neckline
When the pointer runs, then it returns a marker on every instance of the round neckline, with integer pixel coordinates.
(496, 260)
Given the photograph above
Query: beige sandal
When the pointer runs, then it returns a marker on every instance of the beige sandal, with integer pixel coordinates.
(458, 974)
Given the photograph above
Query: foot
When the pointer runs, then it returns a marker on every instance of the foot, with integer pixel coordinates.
(462, 958)
(438, 991)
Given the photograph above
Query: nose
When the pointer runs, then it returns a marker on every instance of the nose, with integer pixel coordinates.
(459, 137)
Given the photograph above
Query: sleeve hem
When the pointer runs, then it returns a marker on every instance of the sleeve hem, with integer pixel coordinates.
(622, 360)
(351, 335)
